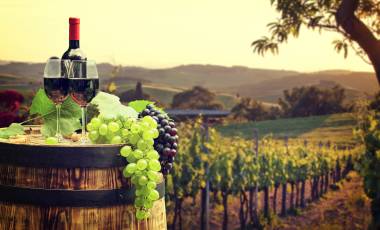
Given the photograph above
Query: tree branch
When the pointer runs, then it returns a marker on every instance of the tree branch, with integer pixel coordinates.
(359, 32)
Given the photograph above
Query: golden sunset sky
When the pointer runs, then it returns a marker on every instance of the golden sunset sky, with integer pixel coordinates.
(161, 33)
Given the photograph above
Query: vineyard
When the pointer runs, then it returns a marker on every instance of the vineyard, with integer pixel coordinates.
(234, 168)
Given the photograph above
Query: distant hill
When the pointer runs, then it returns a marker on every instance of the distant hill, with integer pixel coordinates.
(357, 84)
(263, 84)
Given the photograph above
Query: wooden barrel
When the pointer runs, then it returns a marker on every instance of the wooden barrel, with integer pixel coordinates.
(69, 187)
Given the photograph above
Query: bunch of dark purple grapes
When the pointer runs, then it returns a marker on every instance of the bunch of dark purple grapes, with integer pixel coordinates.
(166, 144)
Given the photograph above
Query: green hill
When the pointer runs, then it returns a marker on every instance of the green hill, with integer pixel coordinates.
(336, 128)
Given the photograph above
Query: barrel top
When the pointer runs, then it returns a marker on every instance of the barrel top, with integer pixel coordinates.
(30, 151)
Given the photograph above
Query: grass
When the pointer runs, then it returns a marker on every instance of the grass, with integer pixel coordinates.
(336, 128)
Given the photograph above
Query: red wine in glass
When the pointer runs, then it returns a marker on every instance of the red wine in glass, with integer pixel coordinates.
(83, 90)
(57, 89)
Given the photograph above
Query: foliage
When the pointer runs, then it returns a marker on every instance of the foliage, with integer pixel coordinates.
(110, 106)
(70, 114)
(234, 167)
(308, 101)
(375, 103)
(10, 107)
(369, 132)
(253, 110)
(12, 130)
(196, 98)
(317, 15)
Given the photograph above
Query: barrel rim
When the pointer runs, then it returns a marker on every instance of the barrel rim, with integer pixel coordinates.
(61, 156)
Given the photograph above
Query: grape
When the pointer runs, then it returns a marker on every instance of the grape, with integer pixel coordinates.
(124, 133)
(116, 140)
(151, 185)
(140, 214)
(143, 180)
(131, 158)
(103, 129)
(131, 168)
(164, 122)
(148, 135)
(154, 165)
(142, 164)
(113, 127)
(126, 173)
(94, 135)
(90, 127)
(138, 154)
(133, 138)
(51, 141)
(135, 128)
(152, 175)
(96, 122)
(141, 144)
(152, 155)
(152, 123)
(125, 151)
(148, 204)
(139, 202)
(153, 195)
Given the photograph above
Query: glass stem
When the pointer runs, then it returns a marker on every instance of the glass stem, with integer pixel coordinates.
(83, 122)
(58, 107)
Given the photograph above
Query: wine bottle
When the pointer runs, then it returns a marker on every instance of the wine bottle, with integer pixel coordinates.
(74, 52)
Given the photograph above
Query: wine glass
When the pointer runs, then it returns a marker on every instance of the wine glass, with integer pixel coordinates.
(56, 87)
(83, 87)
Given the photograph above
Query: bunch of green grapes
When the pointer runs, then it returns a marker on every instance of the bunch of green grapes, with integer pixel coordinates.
(143, 160)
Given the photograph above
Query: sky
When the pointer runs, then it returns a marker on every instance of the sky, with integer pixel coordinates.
(162, 33)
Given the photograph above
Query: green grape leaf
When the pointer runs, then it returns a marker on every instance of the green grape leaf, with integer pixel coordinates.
(140, 105)
(12, 130)
(70, 114)
(110, 106)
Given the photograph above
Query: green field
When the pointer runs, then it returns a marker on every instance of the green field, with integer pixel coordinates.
(336, 128)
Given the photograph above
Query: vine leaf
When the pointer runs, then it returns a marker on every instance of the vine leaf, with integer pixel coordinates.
(12, 130)
(70, 114)
(110, 106)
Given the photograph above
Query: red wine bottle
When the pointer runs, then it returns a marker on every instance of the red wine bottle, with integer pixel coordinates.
(74, 52)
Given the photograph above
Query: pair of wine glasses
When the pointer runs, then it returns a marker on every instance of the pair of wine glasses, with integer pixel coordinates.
(77, 78)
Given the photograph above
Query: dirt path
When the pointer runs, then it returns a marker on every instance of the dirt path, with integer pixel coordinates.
(346, 208)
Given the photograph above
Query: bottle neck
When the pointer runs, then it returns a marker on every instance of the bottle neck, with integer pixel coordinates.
(74, 44)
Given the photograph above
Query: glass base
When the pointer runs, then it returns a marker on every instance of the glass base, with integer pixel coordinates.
(59, 138)
(84, 141)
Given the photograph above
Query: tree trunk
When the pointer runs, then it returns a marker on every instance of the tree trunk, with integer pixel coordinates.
(321, 185)
(292, 195)
(327, 181)
(275, 199)
(225, 210)
(303, 183)
(283, 200)
(242, 213)
(253, 206)
(359, 32)
(266, 202)
(297, 194)
(180, 213)
(175, 215)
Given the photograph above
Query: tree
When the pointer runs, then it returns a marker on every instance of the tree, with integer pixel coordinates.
(308, 101)
(196, 98)
(253, 110)
(134, 94)
(358, 23)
